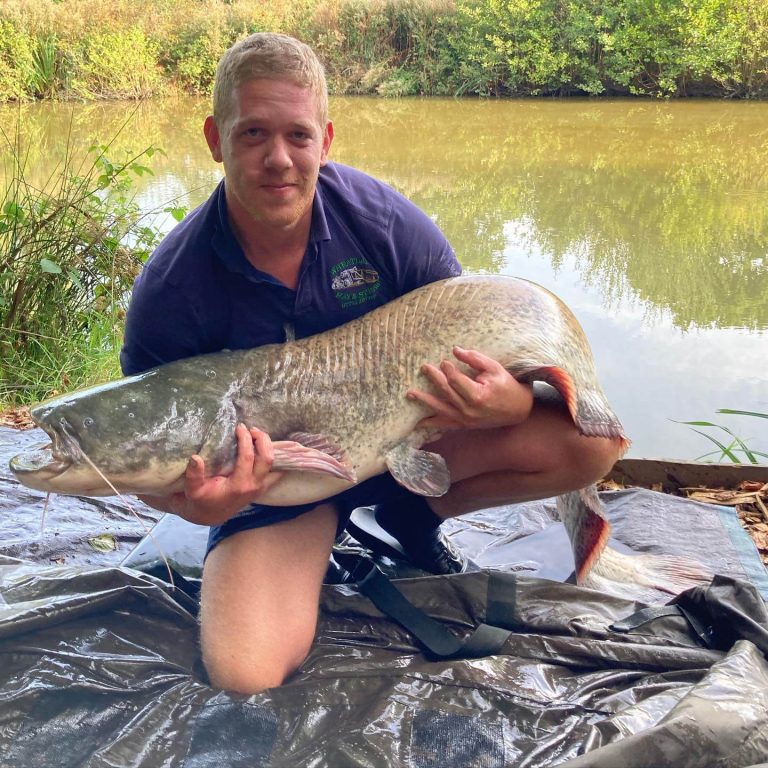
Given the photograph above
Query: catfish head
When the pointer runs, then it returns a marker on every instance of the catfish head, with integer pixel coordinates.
(136, 434)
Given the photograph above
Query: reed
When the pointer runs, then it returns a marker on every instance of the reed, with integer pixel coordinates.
(731, 448)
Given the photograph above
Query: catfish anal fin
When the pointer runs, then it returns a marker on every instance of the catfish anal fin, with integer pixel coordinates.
(589, 409)
(560, 379)
(421, 472)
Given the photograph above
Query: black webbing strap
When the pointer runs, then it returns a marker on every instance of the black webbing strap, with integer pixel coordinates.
(438, 641)
(651, 613)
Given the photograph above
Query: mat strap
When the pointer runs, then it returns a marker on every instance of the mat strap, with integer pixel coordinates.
(438, 641)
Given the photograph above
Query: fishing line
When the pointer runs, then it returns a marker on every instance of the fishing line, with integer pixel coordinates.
(42, 517)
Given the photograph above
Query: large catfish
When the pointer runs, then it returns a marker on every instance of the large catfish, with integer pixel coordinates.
(335, 406)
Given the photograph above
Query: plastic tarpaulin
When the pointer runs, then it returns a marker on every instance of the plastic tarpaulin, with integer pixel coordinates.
(99, 663)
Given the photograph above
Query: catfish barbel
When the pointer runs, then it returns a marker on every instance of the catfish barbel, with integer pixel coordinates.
(334, 404)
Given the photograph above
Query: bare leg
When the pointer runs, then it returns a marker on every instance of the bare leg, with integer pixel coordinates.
(260, 596)
(544, 456)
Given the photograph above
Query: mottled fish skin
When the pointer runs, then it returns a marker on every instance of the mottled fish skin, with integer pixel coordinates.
(345, 386)
(335, 406)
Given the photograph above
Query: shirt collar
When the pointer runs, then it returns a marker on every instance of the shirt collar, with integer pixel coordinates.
(319, 229)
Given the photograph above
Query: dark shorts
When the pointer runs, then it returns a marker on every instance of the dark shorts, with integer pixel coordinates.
(375, 490)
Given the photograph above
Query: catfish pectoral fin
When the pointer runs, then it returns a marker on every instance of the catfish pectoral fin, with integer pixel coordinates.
(292, 455)
(419, 471)
(320, 443)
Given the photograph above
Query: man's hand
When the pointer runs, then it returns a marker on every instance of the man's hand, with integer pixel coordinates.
(491, 397)
(214, 500)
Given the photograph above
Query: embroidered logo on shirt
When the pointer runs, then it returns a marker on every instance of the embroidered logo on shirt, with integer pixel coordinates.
(354, 282)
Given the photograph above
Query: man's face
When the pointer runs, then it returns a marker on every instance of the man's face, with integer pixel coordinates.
(272, 146)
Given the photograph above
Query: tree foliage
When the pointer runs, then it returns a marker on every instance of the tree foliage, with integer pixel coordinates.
(86, 48)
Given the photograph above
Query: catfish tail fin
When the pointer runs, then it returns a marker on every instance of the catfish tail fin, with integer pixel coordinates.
(633, 576)
(646, 577)
(589, 408)
(582, 514)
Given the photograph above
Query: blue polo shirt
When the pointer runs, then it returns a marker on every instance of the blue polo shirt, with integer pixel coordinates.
(198, 293)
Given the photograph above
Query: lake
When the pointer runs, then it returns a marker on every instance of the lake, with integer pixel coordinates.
(650, 219)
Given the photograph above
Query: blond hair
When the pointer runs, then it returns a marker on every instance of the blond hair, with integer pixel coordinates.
(268, 55)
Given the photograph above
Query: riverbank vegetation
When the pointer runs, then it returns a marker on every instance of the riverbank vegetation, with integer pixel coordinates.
(732, 447)
(69, 252)
(88, 49)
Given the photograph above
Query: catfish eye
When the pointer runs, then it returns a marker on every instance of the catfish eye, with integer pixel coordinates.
(87, 422)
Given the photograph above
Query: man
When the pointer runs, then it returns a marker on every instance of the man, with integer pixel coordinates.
(291, 243)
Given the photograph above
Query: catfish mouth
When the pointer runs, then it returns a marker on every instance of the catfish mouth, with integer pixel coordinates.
(62, 466)
(40, 463)
(55, 469)
(45, 462)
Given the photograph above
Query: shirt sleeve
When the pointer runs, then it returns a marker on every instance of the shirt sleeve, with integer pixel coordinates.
(423, 253)
(160, 326)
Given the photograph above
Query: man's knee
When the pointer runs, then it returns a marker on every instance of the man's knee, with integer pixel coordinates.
(249, 670)
(259, 600)
(251, 647)
(592, 458)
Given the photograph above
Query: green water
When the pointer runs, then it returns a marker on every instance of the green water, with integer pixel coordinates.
(649, 219)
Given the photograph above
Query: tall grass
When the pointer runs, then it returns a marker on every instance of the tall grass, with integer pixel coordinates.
(69, 252)
(732, 447)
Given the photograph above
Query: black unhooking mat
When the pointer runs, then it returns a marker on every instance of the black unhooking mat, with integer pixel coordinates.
(99, 664)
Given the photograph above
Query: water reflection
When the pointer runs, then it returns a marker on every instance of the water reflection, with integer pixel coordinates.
(650, 218)
(664, 201)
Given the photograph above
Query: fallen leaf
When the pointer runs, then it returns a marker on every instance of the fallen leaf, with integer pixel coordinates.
(104, 542)
(728, 498)
(17, 418)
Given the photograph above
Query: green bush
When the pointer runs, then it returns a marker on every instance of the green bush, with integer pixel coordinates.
(16, 62)
(641, 47)
(68, 257)
(122, 64)
(46, 74)
(88, 49)
(645, 51)
(194, 56)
